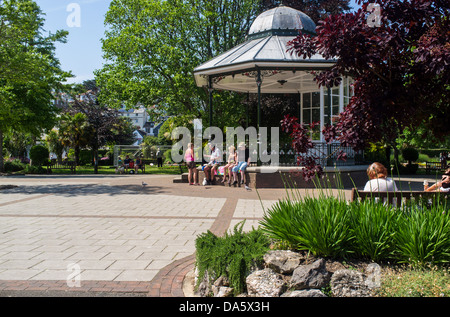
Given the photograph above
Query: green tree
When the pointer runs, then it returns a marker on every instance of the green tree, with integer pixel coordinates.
(74, 132)
(29, 71)
(152, 47)
(103, 124)
(55, 144)
(16, 143)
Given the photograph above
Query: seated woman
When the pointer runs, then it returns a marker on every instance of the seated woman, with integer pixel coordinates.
(378, 180)
(232, 157)
(442, 186)
(243, 159)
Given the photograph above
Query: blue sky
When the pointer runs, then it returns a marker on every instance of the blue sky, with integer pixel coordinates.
(82, 54)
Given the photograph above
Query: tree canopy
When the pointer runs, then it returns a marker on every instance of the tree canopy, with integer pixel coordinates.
(153, 46)
(29, 70)
(400, 69)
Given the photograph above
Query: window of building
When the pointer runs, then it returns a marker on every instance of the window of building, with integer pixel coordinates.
(311, 112)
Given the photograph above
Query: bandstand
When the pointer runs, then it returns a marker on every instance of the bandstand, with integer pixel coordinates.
(263, 65)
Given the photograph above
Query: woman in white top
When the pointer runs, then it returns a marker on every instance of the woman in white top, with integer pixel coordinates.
(378, 180)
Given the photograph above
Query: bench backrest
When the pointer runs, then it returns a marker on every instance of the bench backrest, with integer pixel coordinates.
(63, 164)
(397, 198)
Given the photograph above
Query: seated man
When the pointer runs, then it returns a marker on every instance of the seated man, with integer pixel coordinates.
(139, 164)
(126, 162)
(213, 165)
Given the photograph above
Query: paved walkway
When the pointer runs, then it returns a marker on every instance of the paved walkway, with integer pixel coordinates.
(109, 235)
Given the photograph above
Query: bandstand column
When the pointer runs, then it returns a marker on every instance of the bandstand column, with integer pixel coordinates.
(259, 83)
(210, 91)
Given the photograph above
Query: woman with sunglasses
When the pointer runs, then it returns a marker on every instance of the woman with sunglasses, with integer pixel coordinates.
(442, 186)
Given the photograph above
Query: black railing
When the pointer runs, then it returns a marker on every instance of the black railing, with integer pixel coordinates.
(323, 154)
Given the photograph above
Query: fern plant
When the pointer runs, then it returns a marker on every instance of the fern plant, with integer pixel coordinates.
(233, 256)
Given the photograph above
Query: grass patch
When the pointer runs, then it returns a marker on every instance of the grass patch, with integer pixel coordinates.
(107, 170)
(416, 282)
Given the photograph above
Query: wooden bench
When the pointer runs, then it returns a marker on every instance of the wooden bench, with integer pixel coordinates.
(131, 167)
(70, 165)
(398, 198)
(435, 166)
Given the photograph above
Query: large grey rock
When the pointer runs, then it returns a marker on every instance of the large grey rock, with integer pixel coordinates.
(265, 283)
(304, 293)
(349, 283)
(312, 275)
(282, 261)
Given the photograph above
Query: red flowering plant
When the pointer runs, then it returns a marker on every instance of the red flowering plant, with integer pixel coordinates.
(400, 69)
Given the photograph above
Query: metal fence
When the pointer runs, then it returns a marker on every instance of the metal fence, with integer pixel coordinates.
(323, 154)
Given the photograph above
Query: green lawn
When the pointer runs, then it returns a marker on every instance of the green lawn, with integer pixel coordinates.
(168, 170)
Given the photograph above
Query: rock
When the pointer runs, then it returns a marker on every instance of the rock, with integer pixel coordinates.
(224, 291)
(265, 283)
(222, 281)
(373, 279)
(220, 287)
(282, 261)
(310, 276)
(349, 283)
(304, 293)
(204, 288)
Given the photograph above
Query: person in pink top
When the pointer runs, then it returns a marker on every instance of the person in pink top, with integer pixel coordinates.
(190, 162)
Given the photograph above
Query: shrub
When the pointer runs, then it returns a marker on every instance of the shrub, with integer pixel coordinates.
(423, 235)
(14, 166)
(232, 256)
(373, 228)
(321, 226)
(410, 154)
(39, 155)
(31, 169)
(331, 227)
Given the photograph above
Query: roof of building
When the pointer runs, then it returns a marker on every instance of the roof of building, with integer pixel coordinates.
(266, 49)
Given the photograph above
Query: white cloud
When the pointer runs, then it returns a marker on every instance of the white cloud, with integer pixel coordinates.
(79, 79)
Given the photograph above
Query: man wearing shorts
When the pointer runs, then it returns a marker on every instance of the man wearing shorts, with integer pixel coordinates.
(213, 165)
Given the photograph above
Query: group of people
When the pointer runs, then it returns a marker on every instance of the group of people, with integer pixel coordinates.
(128, 163)
(380, 182)
(237, 162)
(138, 164)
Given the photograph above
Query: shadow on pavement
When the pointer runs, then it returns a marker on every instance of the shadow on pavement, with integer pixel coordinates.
(72, 190)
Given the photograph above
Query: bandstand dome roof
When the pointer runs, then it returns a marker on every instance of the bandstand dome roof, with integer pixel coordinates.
(266, 50)
(282, 19)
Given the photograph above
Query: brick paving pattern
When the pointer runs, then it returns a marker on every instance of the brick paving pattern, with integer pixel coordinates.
(123, 237)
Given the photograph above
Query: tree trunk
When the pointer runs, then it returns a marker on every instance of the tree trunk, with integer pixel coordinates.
(95, 152)
(2, 165)
(77, 155)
